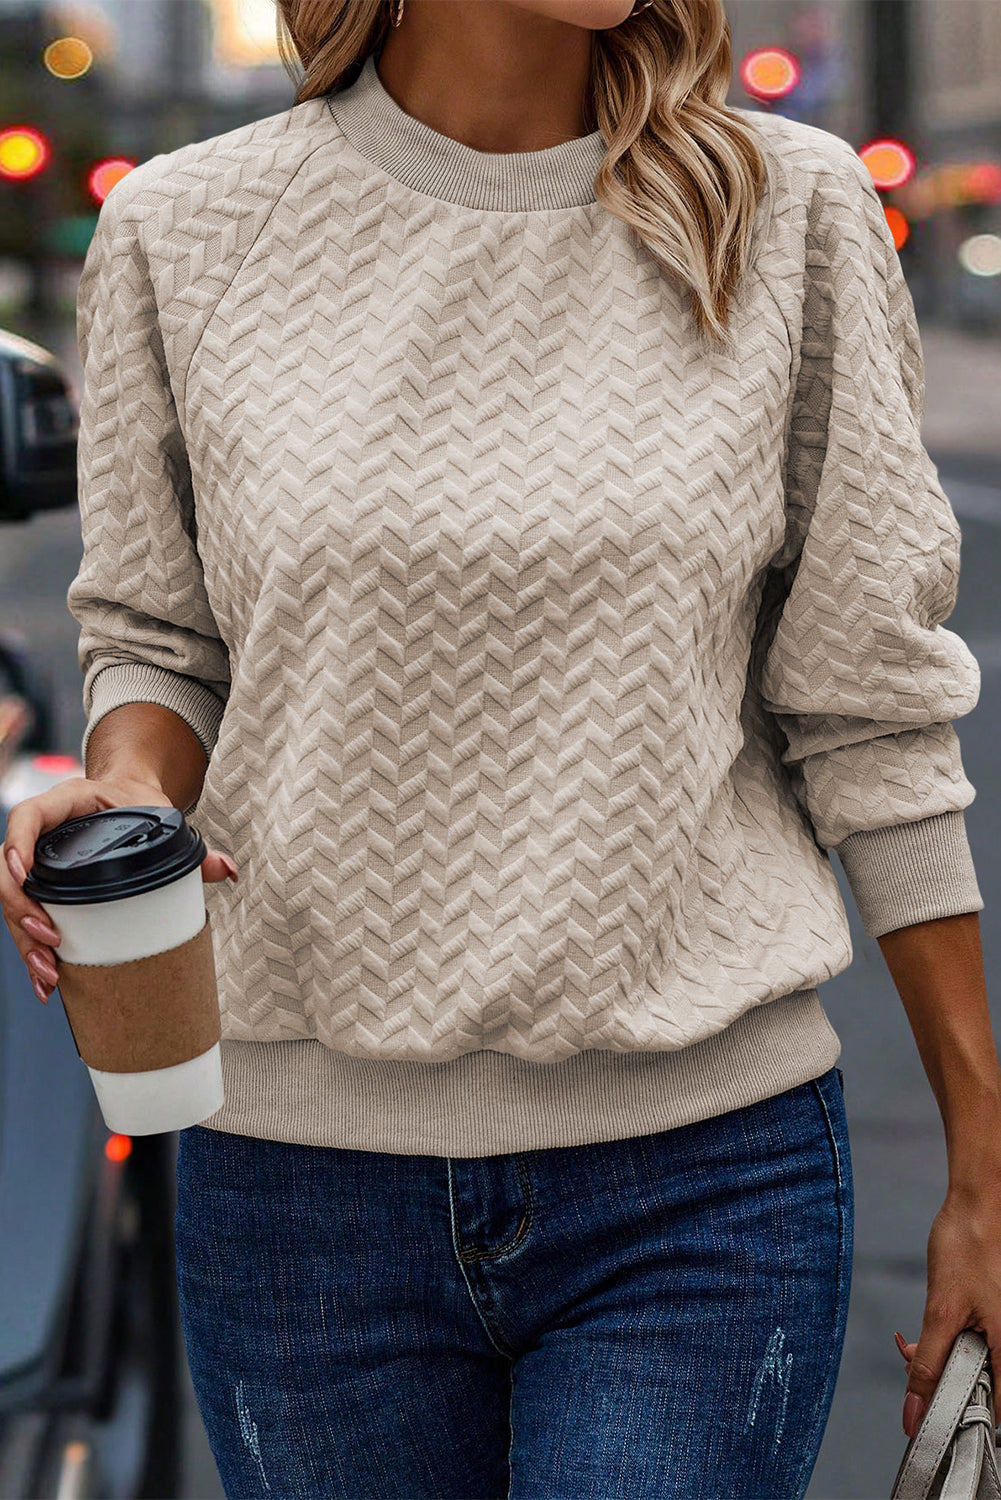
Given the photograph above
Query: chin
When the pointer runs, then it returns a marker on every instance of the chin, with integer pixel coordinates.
(594, 15)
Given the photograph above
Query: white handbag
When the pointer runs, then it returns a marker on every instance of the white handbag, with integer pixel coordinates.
(954, 1455)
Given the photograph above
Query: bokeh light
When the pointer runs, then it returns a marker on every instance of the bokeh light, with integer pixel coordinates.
(118, 1147)
(981, 255)
(244, 32)
(890, 162)
(104, 174)
(24, 152)
(949, 185)
(769, 72)
(89, 24)
(68, 57)
(899, 227)
(983, 182)
(56, 765)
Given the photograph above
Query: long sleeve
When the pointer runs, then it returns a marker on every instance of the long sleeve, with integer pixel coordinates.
(147, 631)
(857, 669)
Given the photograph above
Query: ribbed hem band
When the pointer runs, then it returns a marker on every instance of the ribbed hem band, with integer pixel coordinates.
(485, 1103)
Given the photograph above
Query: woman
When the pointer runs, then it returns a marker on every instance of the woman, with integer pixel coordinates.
(507, 533)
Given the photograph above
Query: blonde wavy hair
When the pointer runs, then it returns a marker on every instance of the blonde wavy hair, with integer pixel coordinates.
(690, 172)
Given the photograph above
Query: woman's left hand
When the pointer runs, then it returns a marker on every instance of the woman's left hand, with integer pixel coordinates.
(964, 1291)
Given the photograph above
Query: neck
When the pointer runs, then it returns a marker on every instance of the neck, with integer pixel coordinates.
(489, 74)
(439, 166)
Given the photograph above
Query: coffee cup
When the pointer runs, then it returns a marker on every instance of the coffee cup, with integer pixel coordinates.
(124, 889)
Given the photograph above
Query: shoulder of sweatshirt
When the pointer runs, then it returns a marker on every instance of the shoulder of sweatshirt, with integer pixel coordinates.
(225, 173)
(809, 147)
(820, 206)
(199, 209)
(803, 159)
(241, 173)
(191, 216)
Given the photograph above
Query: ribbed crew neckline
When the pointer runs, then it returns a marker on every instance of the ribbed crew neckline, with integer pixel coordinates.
(560, 176)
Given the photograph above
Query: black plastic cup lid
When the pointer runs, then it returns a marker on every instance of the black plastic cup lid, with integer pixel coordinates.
(112, 854)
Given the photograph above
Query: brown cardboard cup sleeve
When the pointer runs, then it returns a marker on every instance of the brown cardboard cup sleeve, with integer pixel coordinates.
(146, 1013)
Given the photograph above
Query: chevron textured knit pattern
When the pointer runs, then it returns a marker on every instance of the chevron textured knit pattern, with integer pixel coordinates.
(540, 651)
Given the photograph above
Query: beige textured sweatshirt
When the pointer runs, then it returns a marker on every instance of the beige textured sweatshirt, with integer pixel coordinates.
(541, 652)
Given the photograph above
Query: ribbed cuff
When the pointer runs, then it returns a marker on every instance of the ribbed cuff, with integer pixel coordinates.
(911, 872)
(143, 682)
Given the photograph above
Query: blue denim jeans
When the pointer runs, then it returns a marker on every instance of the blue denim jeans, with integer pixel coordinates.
(657, 1316)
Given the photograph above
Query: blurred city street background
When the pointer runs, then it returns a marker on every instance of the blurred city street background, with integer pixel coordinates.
(924, 74)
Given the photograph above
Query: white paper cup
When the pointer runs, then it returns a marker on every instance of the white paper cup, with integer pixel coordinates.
(162, 1098)
(147, 932)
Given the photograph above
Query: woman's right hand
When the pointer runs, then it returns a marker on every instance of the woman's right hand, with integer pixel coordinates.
(28, 923)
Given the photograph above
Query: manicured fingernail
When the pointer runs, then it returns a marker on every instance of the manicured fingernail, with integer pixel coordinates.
(914, 1410)
(230, 867)
(42, 967)
(901, 1343)
(15, 866)
(40, 992)
(39, 929)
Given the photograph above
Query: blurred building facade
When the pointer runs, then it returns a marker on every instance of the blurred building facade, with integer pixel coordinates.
(957, 84)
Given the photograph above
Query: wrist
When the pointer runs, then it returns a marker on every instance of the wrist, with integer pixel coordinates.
(140, 787)
(973, 1137)
(147, 745)
(105, 766)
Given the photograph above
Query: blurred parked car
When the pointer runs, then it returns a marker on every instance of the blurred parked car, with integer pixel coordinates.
(38, 431)
(90, 1346)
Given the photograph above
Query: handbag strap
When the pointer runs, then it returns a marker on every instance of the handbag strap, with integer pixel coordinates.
(973, 1466)
(929, 1445)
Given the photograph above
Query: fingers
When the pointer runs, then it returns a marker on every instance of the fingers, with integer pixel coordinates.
(924, 1370)
(218, 866)
(908, 1351)
(35, 935)
(16, 905)
(33, 931)
(44, 977)
(32, 817)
